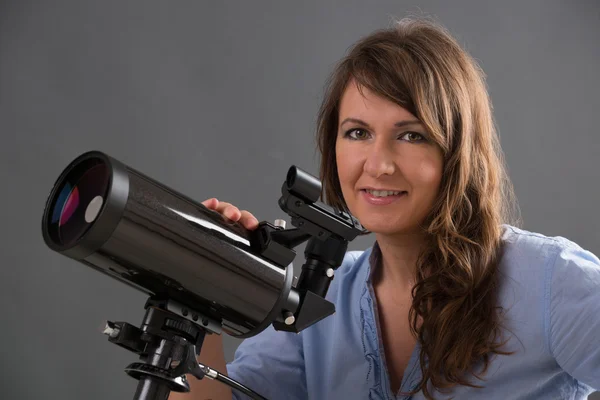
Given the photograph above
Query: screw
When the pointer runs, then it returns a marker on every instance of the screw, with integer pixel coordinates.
(289, 318)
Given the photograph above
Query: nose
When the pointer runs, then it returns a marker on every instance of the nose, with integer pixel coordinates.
(380, 160)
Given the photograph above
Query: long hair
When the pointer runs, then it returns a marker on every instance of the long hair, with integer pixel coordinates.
(420, 66)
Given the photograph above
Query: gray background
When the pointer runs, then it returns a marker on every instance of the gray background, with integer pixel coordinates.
(219, 99)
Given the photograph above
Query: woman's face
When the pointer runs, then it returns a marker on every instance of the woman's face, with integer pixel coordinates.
(389, 169)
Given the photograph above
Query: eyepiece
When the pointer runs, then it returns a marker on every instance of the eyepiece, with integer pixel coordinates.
(303, 184)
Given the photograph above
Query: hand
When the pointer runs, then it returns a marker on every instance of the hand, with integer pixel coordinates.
(231, 212)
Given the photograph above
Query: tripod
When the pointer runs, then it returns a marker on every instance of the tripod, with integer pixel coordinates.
(168, 342)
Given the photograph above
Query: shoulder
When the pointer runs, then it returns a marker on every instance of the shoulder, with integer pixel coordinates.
(557, 268)
(568, 278)
(521, 247)
(522, 239)
(537, 266)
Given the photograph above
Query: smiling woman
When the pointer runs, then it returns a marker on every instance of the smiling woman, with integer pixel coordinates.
(415, 117)
(452, 300)
(381, 146)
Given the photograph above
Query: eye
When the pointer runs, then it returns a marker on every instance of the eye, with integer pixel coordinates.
(356, 134)
(412, 137)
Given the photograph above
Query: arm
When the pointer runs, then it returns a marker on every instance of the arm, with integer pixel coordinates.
(573, 318)
(272, 364)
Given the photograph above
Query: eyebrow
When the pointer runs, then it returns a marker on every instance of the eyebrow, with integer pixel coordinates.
(399, 124)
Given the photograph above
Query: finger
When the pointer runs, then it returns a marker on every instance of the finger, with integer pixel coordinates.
(222, 206)
(231, 212)
(248, 220)
(211, 203)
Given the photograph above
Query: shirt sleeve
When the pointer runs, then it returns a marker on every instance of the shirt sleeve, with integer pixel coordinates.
(270, 363)
(574, 313)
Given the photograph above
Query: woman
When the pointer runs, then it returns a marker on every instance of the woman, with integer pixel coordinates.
(452, 300)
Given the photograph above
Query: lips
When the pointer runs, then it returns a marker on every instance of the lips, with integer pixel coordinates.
(382, 201)
(383, 192)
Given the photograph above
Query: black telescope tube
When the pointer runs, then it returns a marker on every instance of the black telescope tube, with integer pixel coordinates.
(124, 224)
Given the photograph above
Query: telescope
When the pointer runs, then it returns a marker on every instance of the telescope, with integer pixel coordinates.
(203, 273)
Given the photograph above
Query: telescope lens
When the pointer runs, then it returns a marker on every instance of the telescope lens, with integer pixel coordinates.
(78, 202)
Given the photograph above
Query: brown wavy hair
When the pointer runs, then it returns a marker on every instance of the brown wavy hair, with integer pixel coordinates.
(419, 65)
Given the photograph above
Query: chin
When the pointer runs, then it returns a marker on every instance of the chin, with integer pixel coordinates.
(384, 226)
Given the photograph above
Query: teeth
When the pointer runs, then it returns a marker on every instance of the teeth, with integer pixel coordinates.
(382, 193)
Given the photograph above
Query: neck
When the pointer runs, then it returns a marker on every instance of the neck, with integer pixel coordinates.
(399, 257)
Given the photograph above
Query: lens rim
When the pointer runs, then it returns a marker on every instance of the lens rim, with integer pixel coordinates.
(109, 216)
(69, 231)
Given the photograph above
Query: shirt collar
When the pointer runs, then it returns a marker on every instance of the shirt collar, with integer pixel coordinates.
(374, 261)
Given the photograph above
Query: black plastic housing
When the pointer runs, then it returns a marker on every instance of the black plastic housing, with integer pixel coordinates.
(167, 245)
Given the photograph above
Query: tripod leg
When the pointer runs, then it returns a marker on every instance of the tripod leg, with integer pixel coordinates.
(151, 388)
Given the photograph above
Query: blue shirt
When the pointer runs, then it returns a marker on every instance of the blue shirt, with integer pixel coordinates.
(550, 289)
